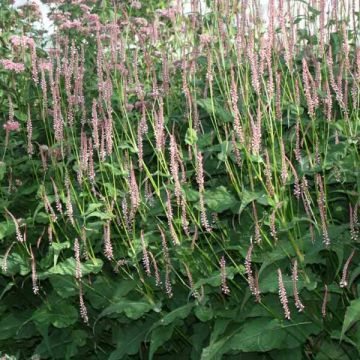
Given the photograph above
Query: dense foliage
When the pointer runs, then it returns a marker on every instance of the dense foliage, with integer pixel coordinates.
(180, 184)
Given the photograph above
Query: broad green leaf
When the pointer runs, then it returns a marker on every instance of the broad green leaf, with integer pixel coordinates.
(248, 196)
(191, 137)
(215, 278)
(131, 308)
(129, 337)
(179, 313)
(203, 313)
(104, 291)
(212, 107)
(64, 285)
(199, 339)
(60, 315)
(68, 266)
(219, 199)
(268, 282)
(159, 336)
(261, 334)
(16, 264)
(10, 324)
(352, 315)
(6, 228)
(61, 344)
(2, 170)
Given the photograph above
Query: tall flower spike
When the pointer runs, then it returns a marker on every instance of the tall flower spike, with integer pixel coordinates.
(294, 276)
(201, 183)
(307, 89)
(19, 236)
(322, 209)
(156, 270)
(145, 259)
(273, 231)
(191, 281)
(83, 309)
(354, 231)
(57, 197)
(34, 278)
(200, 172)
(108, 250)
(168, 286)
(30, 147)
(174, 168)
(345, 273)
(284, 171)
(69, 208)
(283, 296)
(268, 174)
(325, 300)
(4, 265)
(203, 216)
(184, 220)
(78, 273)
(254, 65)
(134, 192)
(248, 270)
(164, 245)
(234, 103)
(224, 287)
(169, 214)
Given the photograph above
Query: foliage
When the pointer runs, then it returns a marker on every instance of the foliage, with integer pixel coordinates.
(179, 184)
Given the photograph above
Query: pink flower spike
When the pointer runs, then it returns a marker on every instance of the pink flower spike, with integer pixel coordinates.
(12, 66)
(11, 126)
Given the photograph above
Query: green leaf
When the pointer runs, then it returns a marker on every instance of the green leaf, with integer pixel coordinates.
(60, 315)
(131, 308)
(68, 266)
(179, 313)
(158, 337)
(10, 324)
(215, 278)
(16, 264)
(61, 344)
(212, 107)
(129, 337)
(248, 196)
(20, 115)
(352, 315)
(204, 313)
(2, 170)
(260, 334)
(64, 286)
(269, 282)
(219, 199)
(191, 137)
(6, 228)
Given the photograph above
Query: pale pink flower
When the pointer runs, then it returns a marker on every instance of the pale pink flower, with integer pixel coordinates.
(136, 5)
(108, 249)
(78, 273)
(10, 126)
(224, 287)
(282, 295)
(156, 269)
(83, 309)
(345, 273)
(294, 276)
(145, 259)
(12, 66)
(34, 278)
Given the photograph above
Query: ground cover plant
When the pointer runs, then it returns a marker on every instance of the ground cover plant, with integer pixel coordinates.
(180, 183)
